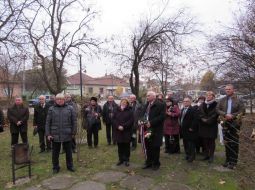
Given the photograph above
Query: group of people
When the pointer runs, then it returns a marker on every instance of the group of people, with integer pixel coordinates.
(54, 121)
(198, 124)
(131, 122)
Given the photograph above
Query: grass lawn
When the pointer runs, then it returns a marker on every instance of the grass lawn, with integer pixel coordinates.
(198, 175)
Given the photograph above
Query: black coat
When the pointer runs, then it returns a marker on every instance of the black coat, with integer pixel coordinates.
(208, 121)
(1, 117)
(108, 113)
(137, 110)
(15, 114)
(40, 115)
(123, 118)
(156, 119)
(91, 121)
(190, 121)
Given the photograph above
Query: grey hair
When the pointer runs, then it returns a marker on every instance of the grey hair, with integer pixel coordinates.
(132, 95)
(60, 96)
(42, 96)
(151, 93)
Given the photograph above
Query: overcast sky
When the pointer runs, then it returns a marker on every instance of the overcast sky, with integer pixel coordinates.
(119, 17)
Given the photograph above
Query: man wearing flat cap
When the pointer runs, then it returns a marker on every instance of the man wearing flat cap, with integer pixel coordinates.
(92, 114)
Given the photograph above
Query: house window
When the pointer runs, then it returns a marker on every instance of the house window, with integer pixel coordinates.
(101, 90)
(91, 90)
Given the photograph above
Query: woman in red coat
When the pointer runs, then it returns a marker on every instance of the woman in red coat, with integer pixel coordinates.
(171, 127)
(122, 123)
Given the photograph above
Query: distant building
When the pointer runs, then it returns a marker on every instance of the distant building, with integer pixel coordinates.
(9, 87)
(100, 86)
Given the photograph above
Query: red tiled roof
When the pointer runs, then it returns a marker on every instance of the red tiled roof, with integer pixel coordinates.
(107, 80)
(75, 79)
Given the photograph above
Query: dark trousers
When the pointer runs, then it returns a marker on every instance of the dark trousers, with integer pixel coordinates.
(209, 146)
(92, 131)
(199, 145)
(153, 153)
(42, 140)
(124, 151)
(190, 148)
(15, 138)
(134, 139)
(231, 139)
(172, 143)
(56, 146)
(110, 134)
(73, 143)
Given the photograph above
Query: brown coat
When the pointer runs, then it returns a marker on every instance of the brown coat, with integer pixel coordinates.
(15, 114)
(237, 108)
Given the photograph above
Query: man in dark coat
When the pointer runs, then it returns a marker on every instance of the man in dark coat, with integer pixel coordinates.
(61, 127)
(92, 115)
(189, 129)
(51, 101)
(1, 120)
(40, 114)
(18, 116)
(231, 109)
(137, 111)
(199, 141)
(154, 113)
(108, 112)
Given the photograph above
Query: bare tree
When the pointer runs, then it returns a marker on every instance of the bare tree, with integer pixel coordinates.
(10, 19)
(234, 51)
(147, 40)
(56, 32)
(9, 69)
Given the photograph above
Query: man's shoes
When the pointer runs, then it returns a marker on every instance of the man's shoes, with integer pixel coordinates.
(210, 160)
(119, 163)
(71, 169)
(133, 148)
(166, 151)
(146, 166)
(127, 163)
(55, 171)
(186, 158)
(74, 151)
(231, 166)
(41, 151)
(225, 164)
(191, 159)
(155, 168)
(205, 158)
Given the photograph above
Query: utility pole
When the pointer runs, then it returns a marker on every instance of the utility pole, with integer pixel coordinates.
(80, 76)
(23, 75)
